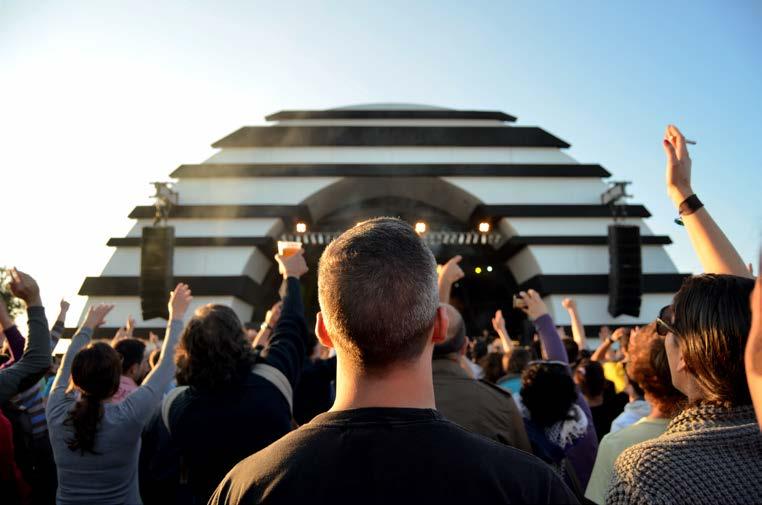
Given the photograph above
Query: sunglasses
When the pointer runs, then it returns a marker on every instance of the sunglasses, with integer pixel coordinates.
(662, 326)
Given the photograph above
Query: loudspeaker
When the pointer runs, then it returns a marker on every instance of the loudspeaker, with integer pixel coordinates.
(625, 271)
(156, 270)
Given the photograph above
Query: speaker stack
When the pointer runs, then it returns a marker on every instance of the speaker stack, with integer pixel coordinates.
(156, 270)
(625, 271)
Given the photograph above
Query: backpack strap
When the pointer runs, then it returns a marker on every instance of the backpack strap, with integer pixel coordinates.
(166, 404)
(277, 379)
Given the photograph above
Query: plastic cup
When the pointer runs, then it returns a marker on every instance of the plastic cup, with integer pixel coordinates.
(287, 249)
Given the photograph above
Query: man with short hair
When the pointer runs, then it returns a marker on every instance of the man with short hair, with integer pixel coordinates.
(477, 405)
(383, 441)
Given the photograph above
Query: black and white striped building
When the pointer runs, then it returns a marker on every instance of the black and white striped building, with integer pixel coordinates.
(452, 169)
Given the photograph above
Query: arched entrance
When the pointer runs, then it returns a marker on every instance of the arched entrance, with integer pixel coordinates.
(447, 211)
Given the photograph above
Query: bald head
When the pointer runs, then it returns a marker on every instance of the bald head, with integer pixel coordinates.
(456, 332)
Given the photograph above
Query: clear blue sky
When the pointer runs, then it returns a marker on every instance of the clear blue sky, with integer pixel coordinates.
(99, 98)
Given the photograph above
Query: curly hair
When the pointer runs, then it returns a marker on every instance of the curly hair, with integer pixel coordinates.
(548, 392)
(648, 367)
(213, 352)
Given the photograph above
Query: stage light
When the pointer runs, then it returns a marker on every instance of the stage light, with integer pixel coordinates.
(301, 227)
(420, 227)
(489, 268)
(484, 227)
(478, 270)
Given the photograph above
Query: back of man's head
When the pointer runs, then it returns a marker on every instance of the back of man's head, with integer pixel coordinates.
(377, 285)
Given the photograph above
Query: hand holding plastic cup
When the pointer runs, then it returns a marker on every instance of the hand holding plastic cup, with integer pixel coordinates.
(287, 249)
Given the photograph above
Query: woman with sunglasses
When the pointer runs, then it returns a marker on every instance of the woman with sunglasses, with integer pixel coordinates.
(557, 417)
(711, 452)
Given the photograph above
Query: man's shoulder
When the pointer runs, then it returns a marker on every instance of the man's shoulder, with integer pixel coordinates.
(494, 390)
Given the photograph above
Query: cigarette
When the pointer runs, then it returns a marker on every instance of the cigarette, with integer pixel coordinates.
(691, 142)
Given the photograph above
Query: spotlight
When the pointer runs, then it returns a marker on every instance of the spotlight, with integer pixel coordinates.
(489, 268)
(420, 227)
(301, 227)
(484, 227)
(478, 270)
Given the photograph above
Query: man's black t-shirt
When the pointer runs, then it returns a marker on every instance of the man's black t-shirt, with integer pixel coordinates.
(389, 455)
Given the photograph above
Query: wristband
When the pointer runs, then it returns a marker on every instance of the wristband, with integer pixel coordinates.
(688, 207)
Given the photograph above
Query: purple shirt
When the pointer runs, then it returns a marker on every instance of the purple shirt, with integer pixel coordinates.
(582, 454)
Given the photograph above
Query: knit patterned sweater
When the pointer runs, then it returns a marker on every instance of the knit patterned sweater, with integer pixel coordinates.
(708, 454)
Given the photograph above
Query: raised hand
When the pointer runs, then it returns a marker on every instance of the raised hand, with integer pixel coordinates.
(498, 323)
(25, 287)
(64, 306)
(535, 307)
(569, 304)
(451, 271)
(678, 174)
(179, 300)
(130, 327)
(273, 315)
(618, 334)
(96, 315)
(292, 266)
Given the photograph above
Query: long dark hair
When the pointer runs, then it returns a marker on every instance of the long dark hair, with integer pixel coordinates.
(95, 373)
(213, 352)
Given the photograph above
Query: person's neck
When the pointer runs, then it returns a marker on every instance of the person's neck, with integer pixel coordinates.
(407, 385)
(656, 412)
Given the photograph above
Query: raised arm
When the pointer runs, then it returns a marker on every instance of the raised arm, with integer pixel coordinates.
(605, 345)
(753, 356)
(578, 329)
(141, 403)
(286, 350)
(449, 274)
(498, 324)
(58, 327)
(716, 254)
(271, 320)
(552, 347)
(36, 358)
(57, 405)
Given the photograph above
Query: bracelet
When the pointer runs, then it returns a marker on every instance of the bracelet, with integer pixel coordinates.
(688, 207)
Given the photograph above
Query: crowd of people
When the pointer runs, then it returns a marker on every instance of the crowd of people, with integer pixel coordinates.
(390, 400)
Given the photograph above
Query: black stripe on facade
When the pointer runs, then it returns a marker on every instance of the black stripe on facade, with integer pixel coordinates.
(557, 211)
(390, 114)
(265, 243)
(370, 136)
(389, 170)
(227, 211)
(242, 287)
(598, 284)
(105, 332)
(515, 244)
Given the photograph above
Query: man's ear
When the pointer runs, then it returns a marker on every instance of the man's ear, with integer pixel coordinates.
(439, 334)
(322, 332)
